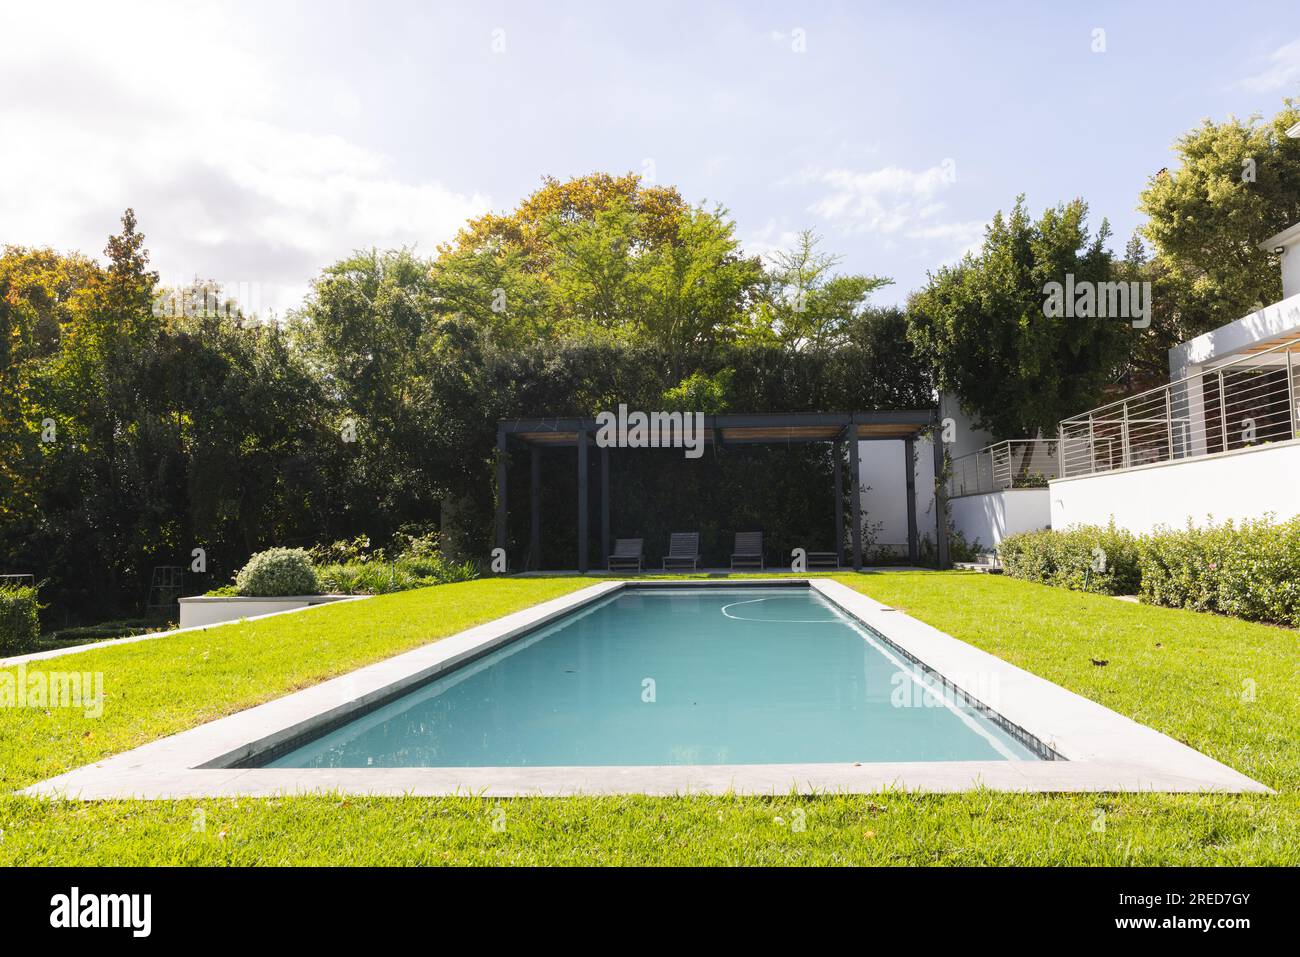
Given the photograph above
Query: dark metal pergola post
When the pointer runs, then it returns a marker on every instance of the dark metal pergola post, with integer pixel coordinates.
(604, 506)
(855, 491)
(838, 447)
(535, 495)
(909, 463)
(940, 499)
(582, 501)
(501, 487)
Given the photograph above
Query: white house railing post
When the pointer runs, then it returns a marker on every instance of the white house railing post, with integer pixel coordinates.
(1124, 451)
(1290, 394)
(1092, 445)
(1223, 413)
(1169, 422)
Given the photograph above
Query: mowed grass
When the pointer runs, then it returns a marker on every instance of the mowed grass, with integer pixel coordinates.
(1228, 688)
(158, 687)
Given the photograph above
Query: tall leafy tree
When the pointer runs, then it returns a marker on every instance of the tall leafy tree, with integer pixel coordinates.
(606, 257)
(1236, 183)
(39, 289)
(984, 326)
(808, 305)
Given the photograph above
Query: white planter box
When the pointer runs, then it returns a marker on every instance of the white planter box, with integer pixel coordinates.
(214, 609)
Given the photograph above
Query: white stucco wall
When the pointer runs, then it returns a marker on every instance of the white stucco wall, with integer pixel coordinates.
(884, 490)
(1288, 241)
(1279, 319)
(991, 517)
(883, 477)
(1243, 484)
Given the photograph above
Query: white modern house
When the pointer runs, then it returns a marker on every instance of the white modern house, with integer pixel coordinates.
(1220, 441)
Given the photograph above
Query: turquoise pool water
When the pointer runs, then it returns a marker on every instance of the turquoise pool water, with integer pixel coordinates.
(674, 676)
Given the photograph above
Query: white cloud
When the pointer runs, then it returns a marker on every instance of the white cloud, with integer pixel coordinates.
(768, 241)
(226, 181)
(954, 239)
(1282, 70)
(898, 208)
(886, 200)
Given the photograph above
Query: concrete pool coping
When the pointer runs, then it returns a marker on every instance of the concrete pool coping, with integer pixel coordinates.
(1102, 751)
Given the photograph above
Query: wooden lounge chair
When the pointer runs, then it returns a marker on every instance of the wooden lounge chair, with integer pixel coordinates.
(626, 554)
(683, 551)
(748, 552)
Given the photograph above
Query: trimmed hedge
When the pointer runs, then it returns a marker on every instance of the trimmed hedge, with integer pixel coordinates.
(1249, 571)
(20, 624)
(276, 572)
(1082, 557)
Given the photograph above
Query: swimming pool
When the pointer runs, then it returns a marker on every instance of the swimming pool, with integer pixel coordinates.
(676, 676)
(832, 690)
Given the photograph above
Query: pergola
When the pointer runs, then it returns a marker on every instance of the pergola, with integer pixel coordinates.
(786, 428)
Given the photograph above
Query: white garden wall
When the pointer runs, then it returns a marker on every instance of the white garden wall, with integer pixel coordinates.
(883, 475)
(992, 516)
(1247, 483)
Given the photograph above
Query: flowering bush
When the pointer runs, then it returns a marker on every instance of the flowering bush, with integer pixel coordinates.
(276, 572)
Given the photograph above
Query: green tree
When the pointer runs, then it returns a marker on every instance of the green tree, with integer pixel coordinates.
(983, 325)
(809, 306)
(1236, 184)
(39, 289)
(602, 257)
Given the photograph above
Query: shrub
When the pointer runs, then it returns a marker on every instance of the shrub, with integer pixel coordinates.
(345, 552)
(20, 625)
(1251, 571)
(1082, 557)
(372, 578)
(275, 572)
(960, 550)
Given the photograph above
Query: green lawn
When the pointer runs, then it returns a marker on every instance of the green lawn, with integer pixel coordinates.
(1186, 674)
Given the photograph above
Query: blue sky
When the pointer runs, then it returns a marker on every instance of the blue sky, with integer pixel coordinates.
(257, 145)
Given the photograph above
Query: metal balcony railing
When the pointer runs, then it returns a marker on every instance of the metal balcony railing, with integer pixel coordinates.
(1013, 463)
(1247, 402)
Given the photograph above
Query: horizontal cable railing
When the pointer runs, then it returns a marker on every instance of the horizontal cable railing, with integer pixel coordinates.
(1013, 463)
(1247, 402)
